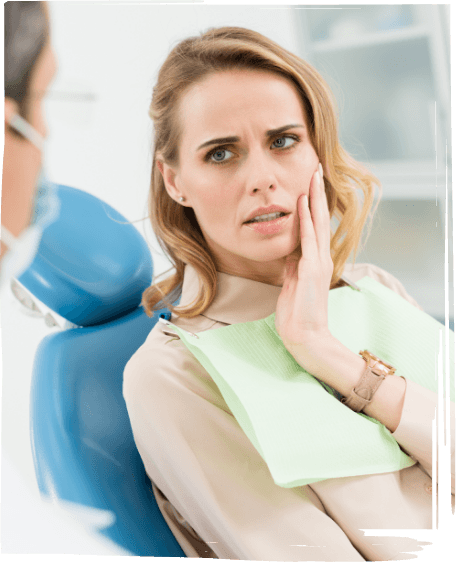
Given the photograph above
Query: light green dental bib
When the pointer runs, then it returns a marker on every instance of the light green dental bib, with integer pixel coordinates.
(303, 432)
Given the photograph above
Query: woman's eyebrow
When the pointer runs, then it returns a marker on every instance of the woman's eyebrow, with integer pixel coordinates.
(270, 133)
(273, 132)
(221, 140)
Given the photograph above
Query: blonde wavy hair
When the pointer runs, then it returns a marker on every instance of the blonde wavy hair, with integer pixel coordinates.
(176, 226)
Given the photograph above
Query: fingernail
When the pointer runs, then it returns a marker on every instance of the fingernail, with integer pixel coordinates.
(320, 167)
(318, 179)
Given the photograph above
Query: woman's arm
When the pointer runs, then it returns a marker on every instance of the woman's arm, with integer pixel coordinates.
(302, 314)
(336, 365)
(405, 408)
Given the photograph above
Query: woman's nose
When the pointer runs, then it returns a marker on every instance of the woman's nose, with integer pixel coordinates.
(260, 174)
(266, 188)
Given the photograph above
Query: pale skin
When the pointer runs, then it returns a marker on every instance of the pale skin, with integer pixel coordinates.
(225, 181)
(22, 160)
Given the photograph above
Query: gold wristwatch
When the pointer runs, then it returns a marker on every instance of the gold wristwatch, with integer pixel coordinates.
(375, 373)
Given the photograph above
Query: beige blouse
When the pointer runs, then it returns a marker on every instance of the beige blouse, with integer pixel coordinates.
(215, 490)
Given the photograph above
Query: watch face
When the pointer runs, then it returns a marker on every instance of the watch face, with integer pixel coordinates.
(381, 365)
(368, 355)
(383, 368)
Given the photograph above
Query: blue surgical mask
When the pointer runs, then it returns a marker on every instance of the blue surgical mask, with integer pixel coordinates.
(46, 208)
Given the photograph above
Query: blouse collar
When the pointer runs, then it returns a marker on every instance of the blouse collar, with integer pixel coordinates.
(237, 299)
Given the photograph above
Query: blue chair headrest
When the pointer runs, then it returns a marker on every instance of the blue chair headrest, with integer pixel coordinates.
(92, 265)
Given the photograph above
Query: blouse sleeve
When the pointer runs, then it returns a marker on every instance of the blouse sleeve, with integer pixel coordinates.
(414, 432)
(196, 453)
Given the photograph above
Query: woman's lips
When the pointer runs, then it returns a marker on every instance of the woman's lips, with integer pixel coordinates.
(269, 227)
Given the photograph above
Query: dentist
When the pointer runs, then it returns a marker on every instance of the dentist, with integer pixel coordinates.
(29, 204)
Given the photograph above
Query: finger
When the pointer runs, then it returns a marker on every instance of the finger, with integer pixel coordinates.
(309, 246)
(320, 216)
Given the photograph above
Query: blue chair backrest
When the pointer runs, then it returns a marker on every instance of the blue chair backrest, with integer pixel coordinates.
(91, 268)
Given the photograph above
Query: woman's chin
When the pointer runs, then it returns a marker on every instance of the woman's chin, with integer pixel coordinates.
(278, 253)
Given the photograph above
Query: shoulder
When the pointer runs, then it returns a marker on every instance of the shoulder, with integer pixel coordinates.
(163, 367)
(357, 271)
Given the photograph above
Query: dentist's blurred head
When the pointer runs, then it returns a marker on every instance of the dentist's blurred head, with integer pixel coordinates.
(30, 66)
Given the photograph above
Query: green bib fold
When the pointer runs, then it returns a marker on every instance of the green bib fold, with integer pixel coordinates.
(298, 426)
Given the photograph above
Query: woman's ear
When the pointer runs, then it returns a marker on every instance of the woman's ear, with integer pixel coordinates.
(170, 179)
(159, 166)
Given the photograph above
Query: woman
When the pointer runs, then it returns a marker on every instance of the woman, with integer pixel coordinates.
(246, 129)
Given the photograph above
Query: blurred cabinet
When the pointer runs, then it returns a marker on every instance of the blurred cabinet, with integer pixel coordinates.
(389, 69)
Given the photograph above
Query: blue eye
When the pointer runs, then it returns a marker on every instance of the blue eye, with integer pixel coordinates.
(218, 155)
(283, 141)
(221, 155)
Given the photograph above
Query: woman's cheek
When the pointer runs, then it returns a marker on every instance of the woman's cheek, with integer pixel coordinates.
(210, 208)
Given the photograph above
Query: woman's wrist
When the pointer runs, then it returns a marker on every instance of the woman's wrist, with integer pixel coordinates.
(327, 359)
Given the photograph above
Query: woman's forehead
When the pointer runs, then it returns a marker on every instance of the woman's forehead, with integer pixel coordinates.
(231, 99)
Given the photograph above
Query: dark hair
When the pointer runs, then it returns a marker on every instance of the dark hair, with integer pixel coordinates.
(26, 34)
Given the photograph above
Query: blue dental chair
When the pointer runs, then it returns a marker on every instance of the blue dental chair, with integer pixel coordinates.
(91, 269)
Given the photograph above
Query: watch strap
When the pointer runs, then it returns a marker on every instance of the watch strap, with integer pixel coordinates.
(361, 395)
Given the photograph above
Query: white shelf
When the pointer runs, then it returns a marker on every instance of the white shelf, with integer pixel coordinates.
(367, 39)
(419, 170)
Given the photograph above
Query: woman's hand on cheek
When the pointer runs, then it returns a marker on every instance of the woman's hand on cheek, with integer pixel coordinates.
(302, 308)
(302, 315)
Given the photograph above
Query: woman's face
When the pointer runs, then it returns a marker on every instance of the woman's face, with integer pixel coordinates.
(269, 160)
